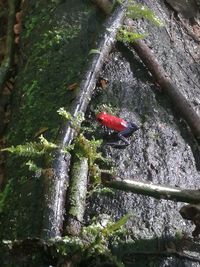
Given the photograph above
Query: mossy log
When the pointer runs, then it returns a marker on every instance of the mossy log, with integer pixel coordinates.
(62, 162)
(69, 252)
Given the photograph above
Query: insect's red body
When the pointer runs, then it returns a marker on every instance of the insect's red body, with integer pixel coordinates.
(112, 122)
(123, 128)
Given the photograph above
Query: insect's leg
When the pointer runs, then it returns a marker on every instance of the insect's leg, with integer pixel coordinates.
(126, 132)
(116, 145)
(120, 136)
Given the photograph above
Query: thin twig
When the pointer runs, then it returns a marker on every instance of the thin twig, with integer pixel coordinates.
(179, 100)
(156, 191)
(189, 31)
(171, 253)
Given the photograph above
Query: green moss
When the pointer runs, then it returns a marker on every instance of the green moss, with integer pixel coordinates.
(4, 195)
(54, 51)
(53, 60)
(89, 149)
(136, 11)
(125, 35)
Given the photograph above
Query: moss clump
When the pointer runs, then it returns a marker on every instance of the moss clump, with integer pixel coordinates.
(125, 35)
(93, 244)
(4, 195)
(89, 149)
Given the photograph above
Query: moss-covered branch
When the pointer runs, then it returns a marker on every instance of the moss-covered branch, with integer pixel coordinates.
(62, 161)
(90, 250)
(92, 243)
(77, 196)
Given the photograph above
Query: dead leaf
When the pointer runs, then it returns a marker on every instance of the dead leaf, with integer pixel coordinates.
(17, 28)
(17, 39)
(41, 131)
(18, 16)
(94, 51)
(72, 86)
(103, 83)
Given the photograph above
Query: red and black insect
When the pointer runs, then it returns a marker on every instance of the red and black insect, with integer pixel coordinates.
(122, 128)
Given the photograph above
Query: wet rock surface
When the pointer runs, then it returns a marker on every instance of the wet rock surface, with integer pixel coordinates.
(163, 151)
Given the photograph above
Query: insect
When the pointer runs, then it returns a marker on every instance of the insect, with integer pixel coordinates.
(122, 129)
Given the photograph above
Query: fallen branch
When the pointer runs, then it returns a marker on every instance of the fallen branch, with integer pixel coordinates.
(179, 100)
(77, 196)
(70, 250)
(55, 195)
(9, 56)
(152, 190)
(166, 254)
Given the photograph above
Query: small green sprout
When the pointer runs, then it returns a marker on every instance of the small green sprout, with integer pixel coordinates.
(32, 149)
(46, 144)
(33, 167)
(66, 115)
(88, 148)
(127, 36)
(75, 121)
(137, 11)
(107, 108)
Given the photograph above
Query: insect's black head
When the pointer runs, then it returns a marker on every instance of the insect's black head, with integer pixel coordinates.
(133, 126)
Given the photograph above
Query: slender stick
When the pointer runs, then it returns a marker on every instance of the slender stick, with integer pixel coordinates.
(14, 250)
(179, 100)
(156, 191)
